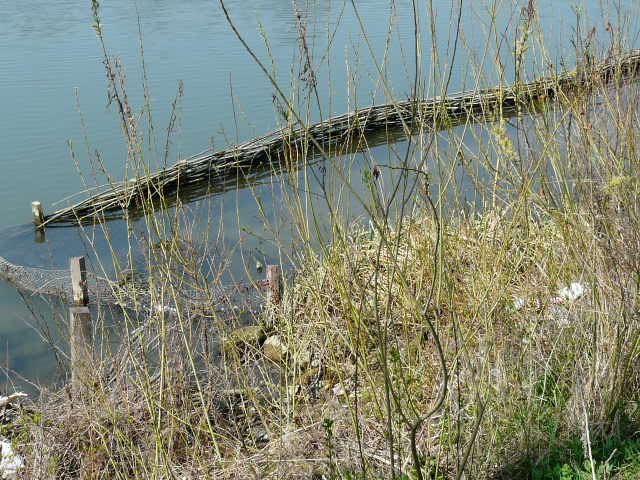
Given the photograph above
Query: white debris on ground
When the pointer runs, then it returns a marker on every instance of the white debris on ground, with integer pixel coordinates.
(11, 462)
(573, 292)
(558, 305)
(559, 308)
(339, 390)
(519, 303)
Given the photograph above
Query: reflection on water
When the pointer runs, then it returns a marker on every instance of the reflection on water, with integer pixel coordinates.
(51, 64)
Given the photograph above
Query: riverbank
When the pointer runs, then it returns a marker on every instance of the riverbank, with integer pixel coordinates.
(507, 343)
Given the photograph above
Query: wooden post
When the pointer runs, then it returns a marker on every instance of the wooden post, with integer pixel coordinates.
(40, 236)
(81, 351)
(38, 220)
(80, 328)
(38, 213)
(79, 281)
(274, 284)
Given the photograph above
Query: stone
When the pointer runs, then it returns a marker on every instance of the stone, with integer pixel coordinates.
(310, 376)
(244, 338)
(302, 358)
(339, 390)
(274, 349)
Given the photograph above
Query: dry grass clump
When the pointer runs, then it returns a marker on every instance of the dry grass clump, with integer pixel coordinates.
(531, 364)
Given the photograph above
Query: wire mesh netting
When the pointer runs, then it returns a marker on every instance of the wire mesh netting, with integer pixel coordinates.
(137, 294)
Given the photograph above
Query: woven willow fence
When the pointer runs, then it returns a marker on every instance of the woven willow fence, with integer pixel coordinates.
(211, 172)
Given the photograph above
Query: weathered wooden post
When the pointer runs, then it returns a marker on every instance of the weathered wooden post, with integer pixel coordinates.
(275, 285)
(38, 220)
(79, 288)
(80, 327)
(38, 213)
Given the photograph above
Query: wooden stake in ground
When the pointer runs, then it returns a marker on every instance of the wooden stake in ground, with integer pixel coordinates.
(80, 329)
(78, 268)
(274, 284)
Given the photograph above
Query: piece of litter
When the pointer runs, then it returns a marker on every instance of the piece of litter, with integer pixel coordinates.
(519, 303)
(4, 401)
(339, 390)
(11, 462)
(573, 292)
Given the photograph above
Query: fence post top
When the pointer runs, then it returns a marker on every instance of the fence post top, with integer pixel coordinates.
(79, 287)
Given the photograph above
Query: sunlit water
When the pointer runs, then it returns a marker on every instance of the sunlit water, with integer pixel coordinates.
(52, 72)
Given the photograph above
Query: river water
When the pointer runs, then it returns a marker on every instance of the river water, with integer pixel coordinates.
(53, 92)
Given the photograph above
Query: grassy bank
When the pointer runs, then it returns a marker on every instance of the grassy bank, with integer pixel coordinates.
(478, 318)
(532, 324)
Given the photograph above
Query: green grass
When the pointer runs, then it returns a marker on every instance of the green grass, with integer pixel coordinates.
(613, 458)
